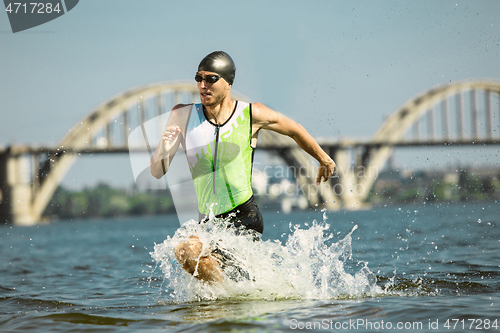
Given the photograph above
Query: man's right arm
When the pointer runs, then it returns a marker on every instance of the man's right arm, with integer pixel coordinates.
(169, 142)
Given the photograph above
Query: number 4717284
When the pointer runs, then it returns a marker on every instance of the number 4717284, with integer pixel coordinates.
(477, 324)
(43, 8)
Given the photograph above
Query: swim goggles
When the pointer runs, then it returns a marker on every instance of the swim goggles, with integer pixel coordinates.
(208, 79)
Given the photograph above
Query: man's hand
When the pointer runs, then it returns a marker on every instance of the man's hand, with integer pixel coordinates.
(168, 138)
(325, 171)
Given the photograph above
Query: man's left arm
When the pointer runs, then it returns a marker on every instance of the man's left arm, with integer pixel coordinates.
(266, 118)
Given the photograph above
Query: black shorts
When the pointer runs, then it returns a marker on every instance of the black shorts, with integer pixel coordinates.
(247, 215)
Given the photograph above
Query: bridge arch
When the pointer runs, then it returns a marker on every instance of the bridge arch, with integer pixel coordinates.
(398, 124)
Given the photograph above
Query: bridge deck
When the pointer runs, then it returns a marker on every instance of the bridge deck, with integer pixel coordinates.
(325, 143)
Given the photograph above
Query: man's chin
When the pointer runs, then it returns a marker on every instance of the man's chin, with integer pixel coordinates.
(208, 103)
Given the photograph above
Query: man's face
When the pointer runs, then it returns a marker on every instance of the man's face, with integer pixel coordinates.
(211, 94)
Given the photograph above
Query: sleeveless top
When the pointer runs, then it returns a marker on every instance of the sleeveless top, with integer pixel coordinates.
(220, 158)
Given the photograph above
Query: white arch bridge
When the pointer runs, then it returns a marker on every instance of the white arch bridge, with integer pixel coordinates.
(452, 114)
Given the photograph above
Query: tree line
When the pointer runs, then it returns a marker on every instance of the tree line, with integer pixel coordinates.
(105, 201)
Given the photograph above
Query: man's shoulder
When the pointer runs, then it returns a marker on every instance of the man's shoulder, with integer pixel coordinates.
(258, 105)
(259, 109)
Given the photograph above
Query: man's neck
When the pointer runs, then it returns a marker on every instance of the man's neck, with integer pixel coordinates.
(220, 113)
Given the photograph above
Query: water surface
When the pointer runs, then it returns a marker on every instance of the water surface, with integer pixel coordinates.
(435, 268)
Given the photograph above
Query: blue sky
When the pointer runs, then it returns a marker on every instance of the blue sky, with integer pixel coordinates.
(336, 67)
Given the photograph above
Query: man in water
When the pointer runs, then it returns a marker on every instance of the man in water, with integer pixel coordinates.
(219, 137)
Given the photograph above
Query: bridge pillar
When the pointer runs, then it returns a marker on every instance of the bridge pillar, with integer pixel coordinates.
(16, 191)
(344, 188)
(349, 188)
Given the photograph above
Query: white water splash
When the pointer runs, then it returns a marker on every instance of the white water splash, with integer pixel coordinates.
(310, 265)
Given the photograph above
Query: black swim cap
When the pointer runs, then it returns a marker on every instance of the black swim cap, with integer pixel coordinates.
(221, 63)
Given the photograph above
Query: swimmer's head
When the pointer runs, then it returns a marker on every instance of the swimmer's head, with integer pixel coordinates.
(221, 63)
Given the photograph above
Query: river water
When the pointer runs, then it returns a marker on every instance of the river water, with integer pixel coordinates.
(417, 268)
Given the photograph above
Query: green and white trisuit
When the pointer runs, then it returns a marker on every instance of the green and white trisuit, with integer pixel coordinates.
(220, 160)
